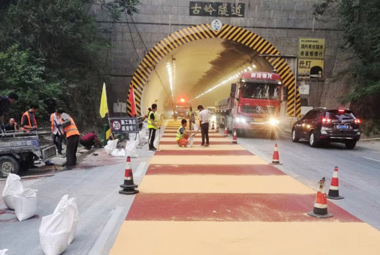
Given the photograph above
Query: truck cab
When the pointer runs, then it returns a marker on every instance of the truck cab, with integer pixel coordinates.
(254, 103)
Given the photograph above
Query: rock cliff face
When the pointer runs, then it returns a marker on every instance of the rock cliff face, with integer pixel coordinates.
(340, 85)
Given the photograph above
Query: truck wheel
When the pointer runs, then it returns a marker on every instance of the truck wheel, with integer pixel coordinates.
(8, 165)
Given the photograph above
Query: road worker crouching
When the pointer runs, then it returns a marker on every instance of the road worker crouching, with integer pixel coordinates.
(183, 136)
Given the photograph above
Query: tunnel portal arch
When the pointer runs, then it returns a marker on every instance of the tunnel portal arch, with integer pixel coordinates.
(228, 32)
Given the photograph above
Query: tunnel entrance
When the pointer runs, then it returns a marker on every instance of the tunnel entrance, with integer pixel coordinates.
(189, 62)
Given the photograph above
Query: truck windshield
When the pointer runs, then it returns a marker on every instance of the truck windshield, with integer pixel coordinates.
(258, 90)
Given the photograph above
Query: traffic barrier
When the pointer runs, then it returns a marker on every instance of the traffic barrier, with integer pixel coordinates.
(276, 156)
(128, 186)
(320, 205)
(334, 187)
(226, 131)
(234, 139)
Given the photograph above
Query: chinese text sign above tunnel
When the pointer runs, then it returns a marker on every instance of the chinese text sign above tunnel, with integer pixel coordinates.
(217, 9)
(311, 54)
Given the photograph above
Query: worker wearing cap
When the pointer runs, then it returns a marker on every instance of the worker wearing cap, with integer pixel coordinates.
(72, 135)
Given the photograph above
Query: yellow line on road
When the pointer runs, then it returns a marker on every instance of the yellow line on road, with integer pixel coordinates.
(207, 160)
(196, 183)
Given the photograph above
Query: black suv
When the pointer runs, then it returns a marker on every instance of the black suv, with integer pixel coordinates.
(322, 125)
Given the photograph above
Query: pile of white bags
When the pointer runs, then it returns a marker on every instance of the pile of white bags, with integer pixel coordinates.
(12, 187)
(25, 204)
(3, 252)
(118, 153)
(131, 146)
(23, 201)
(111, 146)
(57, 230)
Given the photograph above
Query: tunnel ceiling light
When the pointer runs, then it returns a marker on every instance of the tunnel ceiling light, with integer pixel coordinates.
(225, 81)
(170, 74)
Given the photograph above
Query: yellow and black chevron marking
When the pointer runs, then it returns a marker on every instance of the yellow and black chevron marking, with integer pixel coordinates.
(229, 32)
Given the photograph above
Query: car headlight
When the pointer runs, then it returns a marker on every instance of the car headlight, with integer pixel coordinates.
(274, 122)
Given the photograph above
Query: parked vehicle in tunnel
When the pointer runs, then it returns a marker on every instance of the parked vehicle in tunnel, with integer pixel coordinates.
(253, 104)
(322, 125)
(181, 109)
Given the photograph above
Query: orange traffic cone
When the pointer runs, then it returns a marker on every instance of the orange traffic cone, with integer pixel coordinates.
(334, 187)
(226, 131)
(234, 139)
(217, 129)
(276, 157)
(128, 186)
(320, 205)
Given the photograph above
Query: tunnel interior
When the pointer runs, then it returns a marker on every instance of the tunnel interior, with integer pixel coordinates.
(198, 67)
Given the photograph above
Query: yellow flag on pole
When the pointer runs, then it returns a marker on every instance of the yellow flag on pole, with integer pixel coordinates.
(103, 102)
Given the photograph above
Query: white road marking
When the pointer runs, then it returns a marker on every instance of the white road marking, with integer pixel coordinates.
(140, 169)
(98, 247)
(372, 159)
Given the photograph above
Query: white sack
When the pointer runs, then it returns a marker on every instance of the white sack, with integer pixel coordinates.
(12, 186)
(3, 252)
(25, 204)
(190, 141)
(111, 146)
(118, 153)
(57, 230)
(65, 201)
(131, 149)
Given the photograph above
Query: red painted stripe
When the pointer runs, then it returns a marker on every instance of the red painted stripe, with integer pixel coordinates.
(230, 207)
(212, 169)
(204, 152)
(197, 142)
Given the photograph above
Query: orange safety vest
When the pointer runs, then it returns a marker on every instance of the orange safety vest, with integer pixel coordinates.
(52, 122)
(27, 115)
(71, 129)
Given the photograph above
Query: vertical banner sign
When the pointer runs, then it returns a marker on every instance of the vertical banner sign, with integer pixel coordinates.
(311, 55)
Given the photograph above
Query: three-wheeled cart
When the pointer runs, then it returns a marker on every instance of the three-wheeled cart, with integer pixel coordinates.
(19, 150)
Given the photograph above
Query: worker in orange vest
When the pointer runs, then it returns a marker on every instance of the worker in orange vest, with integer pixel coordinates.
(28, 119)
(72, 135)
(57, 132)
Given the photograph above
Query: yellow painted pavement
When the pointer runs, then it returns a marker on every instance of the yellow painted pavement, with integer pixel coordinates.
(195, 183)
(198, 138)
(246, 238)
(208, 160)
(216, 147)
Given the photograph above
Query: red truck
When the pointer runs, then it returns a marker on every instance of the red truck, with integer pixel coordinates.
(254, 103)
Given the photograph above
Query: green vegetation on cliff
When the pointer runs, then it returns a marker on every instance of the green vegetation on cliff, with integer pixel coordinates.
(360, 22)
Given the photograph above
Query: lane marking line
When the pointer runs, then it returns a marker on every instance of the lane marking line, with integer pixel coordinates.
(98, 247)
(140, 169)
(372, 159)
